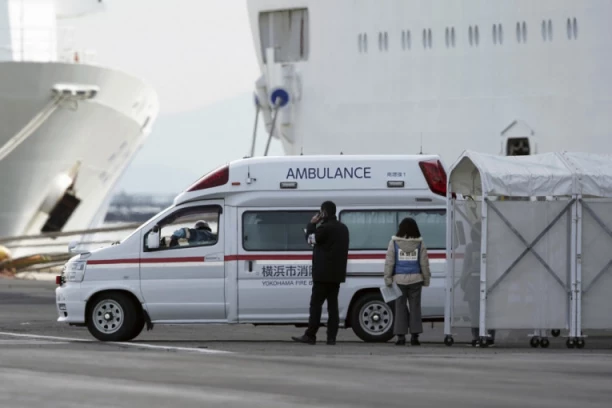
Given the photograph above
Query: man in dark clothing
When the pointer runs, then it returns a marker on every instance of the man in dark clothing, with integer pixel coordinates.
(329, 259)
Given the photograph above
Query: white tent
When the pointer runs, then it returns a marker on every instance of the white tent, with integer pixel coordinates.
(531, 254)
(548, 174)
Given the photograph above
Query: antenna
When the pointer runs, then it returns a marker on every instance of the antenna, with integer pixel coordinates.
(421, 152)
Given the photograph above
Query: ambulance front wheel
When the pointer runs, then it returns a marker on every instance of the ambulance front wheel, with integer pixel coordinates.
(114, 316)
(372, 318)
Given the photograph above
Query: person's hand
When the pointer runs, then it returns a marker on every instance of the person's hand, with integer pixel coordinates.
(316, 218)
(388, 282)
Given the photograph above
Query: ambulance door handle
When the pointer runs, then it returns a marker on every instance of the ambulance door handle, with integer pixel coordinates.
(250, 266)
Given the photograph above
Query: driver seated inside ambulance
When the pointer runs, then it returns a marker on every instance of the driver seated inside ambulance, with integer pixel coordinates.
(199, 234)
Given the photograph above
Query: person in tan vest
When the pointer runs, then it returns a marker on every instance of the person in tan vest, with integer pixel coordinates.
(407, 264)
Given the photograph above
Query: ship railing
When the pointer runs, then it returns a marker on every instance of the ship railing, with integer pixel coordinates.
(51, 235)
(43, 44)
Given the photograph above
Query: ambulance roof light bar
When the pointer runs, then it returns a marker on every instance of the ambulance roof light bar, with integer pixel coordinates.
(215, 178)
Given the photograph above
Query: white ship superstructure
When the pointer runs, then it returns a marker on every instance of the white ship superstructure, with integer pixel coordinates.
(435, 76)
(69, 127)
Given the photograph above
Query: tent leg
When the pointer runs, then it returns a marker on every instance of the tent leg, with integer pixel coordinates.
(450, 266)
(483, 269)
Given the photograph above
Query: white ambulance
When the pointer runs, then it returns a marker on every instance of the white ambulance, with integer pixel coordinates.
(254, 264)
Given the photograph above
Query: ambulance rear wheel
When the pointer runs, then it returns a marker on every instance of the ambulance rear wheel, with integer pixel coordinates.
(113, 316)
(372, 318)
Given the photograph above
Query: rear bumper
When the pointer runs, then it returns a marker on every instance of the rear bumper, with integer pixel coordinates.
(70, 307)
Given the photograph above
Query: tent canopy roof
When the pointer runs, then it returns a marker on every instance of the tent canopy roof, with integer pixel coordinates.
(548, 174)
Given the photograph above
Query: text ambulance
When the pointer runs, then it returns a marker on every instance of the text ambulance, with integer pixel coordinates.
(253, 263)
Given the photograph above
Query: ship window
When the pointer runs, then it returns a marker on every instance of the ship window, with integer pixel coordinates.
(494, 34)
(386, 41)
(424, 38)
(569, 29)
(550, 30)
(500, 33)
(360, 41)
(476, 35)
(408, 41)
(524, 32)
(287, 32)
(365, 42)
(403, 40)
(518, 32)
(471, 35)
(450, 37)
(544, 31)
(575, 27)
(380, 41)
(429, 37)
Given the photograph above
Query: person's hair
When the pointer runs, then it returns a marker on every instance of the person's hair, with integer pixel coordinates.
(202, 225)
(408, 228)
(329, 207)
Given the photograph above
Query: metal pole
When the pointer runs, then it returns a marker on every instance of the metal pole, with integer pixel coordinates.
(276, 109)
(483, 267)
(254, 131)
(450, 264)
(576, 265)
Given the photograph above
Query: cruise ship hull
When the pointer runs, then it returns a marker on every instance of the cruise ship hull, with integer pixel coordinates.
(439, 77)
(81, 145)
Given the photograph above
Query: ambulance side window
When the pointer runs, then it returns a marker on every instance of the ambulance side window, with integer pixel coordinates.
(372, 230)
(189, 227)
(275, 230)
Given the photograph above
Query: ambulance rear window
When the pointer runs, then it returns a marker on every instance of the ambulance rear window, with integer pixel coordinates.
(275, 230)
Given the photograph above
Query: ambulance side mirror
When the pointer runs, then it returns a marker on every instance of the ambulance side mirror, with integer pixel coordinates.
(153, 238)
(72, 246)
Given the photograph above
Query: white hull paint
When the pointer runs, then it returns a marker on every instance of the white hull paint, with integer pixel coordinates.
(103, 133)
(405, 96)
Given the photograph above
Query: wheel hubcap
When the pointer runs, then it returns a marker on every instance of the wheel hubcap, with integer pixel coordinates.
(375, 318)
(107, 316)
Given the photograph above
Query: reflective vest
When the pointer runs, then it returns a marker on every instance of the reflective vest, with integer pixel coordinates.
(407, 262)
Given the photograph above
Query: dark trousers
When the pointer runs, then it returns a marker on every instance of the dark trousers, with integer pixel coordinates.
(405, 318)
(322, 291)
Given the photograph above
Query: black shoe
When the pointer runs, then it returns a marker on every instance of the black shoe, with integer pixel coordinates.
(414, 340)
(401, 340)
(331, 342)
(304, 339)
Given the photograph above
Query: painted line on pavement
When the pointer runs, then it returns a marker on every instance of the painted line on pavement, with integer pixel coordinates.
(136, 345)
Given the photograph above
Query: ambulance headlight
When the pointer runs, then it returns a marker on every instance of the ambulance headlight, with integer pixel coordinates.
(75, 271)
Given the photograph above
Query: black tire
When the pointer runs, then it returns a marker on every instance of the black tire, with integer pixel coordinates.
(535, 341)
(449, 341)
(555, 333)
(139, 325)
(123, 322)
(372, 306)
(544, 343)
(570, 343)
(580, 343)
